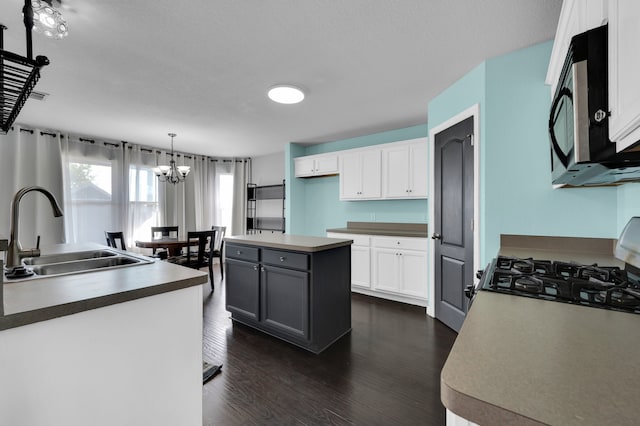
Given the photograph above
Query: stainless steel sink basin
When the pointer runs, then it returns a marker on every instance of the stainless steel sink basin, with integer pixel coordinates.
(80, 262)
(83, 265)
(68, 257)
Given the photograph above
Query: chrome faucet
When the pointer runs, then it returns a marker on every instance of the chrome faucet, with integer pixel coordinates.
(15, 253)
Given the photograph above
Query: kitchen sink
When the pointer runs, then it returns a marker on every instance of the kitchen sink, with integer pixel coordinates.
(68, 257)
(78, 262)
(83, 265)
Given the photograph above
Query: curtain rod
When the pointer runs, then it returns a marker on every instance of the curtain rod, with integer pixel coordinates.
(124, 144)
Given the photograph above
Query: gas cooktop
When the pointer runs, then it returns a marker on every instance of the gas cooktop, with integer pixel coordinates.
(607, 287)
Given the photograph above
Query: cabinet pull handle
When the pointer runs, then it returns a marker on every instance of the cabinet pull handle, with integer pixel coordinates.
(281, 258)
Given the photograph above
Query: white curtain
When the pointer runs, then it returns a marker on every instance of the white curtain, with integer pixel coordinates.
(31, 157)
(241, 176)
(142, 194)
(99, 202)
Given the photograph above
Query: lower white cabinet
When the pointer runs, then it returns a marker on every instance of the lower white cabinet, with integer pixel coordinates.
(393, 268)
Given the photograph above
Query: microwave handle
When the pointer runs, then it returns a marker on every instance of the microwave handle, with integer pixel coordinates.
(552, 134)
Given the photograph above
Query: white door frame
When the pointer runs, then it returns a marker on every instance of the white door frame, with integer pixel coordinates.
(474, 112)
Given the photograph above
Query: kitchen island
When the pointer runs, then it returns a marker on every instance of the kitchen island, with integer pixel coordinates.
(296, 288)
(115, 346)
(526, 361)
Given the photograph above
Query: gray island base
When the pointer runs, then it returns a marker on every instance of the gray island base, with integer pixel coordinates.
(295, 288)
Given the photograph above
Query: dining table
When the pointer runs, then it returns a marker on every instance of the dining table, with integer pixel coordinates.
(173, 245)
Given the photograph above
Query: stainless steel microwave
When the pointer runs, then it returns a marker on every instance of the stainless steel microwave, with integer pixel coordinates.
(581, 152)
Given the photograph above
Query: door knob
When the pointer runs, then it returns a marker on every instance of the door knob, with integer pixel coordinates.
(436, 236)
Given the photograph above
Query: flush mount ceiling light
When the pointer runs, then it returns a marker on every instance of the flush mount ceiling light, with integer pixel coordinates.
(286, 94)
(171, 173)
(48, 20)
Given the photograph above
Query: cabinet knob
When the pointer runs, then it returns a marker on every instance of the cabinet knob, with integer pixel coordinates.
(255, 267)
(238, 252)
(281, 258)
(262, 268)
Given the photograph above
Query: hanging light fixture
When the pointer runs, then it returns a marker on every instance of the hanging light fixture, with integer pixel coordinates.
(172, 173)
(48, 20)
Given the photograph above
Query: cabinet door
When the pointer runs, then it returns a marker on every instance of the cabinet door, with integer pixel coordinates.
(370, 175)
(624, 63)
(350, 176)
(326, 165)
(304, 166)
(395, 172)
(285, 300)
(413, 273)
(243, 288)
(385, 269)
(418, 170)
(360, 266)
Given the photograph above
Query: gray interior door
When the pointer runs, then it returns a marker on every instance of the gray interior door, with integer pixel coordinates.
(453, 222)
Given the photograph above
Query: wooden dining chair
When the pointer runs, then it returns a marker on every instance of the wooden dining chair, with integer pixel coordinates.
(199, 252)
(218, 246)
(113, 238)
(163, 232)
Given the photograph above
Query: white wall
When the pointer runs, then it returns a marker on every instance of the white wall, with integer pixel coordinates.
(267, 169)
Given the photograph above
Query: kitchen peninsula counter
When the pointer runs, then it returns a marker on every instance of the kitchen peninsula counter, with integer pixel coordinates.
(33, 300)
(106, 347)
(296, 288)
(527, 361)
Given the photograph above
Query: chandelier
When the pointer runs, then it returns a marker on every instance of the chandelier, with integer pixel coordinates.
(48, 20)
(171, 173)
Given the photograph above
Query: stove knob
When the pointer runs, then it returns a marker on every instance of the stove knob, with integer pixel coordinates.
(469, 291)
(479, 273)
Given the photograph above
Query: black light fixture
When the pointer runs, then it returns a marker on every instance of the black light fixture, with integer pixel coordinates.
(172, 173)
(48, 20)
(18, 74)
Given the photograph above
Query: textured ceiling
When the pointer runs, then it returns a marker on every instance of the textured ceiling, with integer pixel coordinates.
(135, 70)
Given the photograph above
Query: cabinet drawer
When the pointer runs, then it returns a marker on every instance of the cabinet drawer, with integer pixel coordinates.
(286, 259)
(241, 252)
(400, 243)
(358, 239)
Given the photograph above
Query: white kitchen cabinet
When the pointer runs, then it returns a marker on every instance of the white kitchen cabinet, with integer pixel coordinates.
(404, 170)
(576, 16)
(360, 259)
(360, 174)
(316, 165)
(400, 265)
(624, 63)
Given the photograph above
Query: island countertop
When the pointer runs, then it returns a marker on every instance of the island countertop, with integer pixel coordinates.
(289, 242)
(44, 298)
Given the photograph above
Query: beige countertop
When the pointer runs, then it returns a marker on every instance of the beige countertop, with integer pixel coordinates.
(289, 242)
(526, 361)
(43, 298)
(519, 360)
(384, 228)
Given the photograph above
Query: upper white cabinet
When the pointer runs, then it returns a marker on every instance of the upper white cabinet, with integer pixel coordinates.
(360, 175)
(404, 170)
(316, 165)
(576, 16)
(624, 63)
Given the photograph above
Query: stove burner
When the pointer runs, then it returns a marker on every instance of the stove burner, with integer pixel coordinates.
(529, 284)
(591, 285)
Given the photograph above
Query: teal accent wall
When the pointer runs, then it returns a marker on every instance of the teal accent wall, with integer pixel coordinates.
(313, 204)
(628, 204)
(516, 194)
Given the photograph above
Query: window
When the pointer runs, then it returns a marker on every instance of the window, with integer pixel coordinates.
(225, 201)
(144, 211)
(91, 200)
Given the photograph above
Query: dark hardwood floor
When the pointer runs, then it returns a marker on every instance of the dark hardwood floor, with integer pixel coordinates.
(385, 372)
